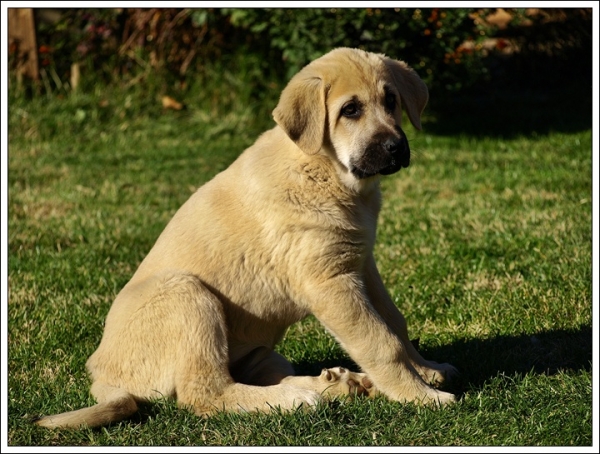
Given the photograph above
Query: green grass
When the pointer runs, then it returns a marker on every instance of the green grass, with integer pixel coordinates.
(484, 243)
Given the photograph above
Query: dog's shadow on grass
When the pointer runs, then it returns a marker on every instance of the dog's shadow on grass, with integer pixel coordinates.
(480, 360)
(546, 352)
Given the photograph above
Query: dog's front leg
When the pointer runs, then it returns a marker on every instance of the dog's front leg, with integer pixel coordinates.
(431, 371)
(343, 307)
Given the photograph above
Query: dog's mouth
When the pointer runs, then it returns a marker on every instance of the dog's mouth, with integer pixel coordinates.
(398, 162)
(383, 158)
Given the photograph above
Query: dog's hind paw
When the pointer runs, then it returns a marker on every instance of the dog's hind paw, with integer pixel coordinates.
(339, 381)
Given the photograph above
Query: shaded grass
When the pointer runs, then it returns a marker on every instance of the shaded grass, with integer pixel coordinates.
(484, 243)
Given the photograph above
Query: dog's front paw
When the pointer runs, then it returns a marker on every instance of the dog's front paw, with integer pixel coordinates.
(339, 381)
(436, 374)
(439, 399)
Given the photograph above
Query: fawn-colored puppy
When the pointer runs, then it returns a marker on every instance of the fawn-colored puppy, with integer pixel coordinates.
(286, 231)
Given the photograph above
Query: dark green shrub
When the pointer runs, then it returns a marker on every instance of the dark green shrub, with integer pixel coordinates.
(116, 44)
(173, 48)
(425, 37)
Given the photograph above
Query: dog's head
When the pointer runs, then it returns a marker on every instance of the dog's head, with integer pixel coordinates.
(349, 102)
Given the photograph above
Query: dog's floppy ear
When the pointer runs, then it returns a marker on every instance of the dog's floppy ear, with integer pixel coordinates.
(301, 112)
(413, 91)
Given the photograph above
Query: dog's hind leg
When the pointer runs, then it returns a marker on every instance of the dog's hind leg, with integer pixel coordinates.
(335, 382)
(186, 326)
(260, 390)
(264, 367)
(167, 336)
(206, 391)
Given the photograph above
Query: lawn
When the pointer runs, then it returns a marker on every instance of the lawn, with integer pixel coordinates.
(484, 242)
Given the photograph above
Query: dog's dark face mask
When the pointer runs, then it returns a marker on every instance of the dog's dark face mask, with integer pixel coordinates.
(386, 155)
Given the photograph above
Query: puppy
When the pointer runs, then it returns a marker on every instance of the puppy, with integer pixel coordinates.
(286, 231)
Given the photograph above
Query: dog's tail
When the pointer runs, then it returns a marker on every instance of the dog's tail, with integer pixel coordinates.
(114, 405)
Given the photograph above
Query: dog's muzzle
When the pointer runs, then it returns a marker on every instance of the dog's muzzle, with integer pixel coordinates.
(385, 156)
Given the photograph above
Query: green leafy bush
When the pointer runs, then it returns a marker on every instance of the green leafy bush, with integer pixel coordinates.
(451, 48)
(117, 44)
(425, 38)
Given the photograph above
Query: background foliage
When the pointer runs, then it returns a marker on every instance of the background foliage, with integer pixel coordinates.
(452, 48)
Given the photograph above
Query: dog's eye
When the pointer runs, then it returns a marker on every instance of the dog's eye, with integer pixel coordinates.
(390, 101)
(351, 110)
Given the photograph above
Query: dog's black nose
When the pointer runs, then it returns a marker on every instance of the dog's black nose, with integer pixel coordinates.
(398, 154)
(392, 145)
(395, 145)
